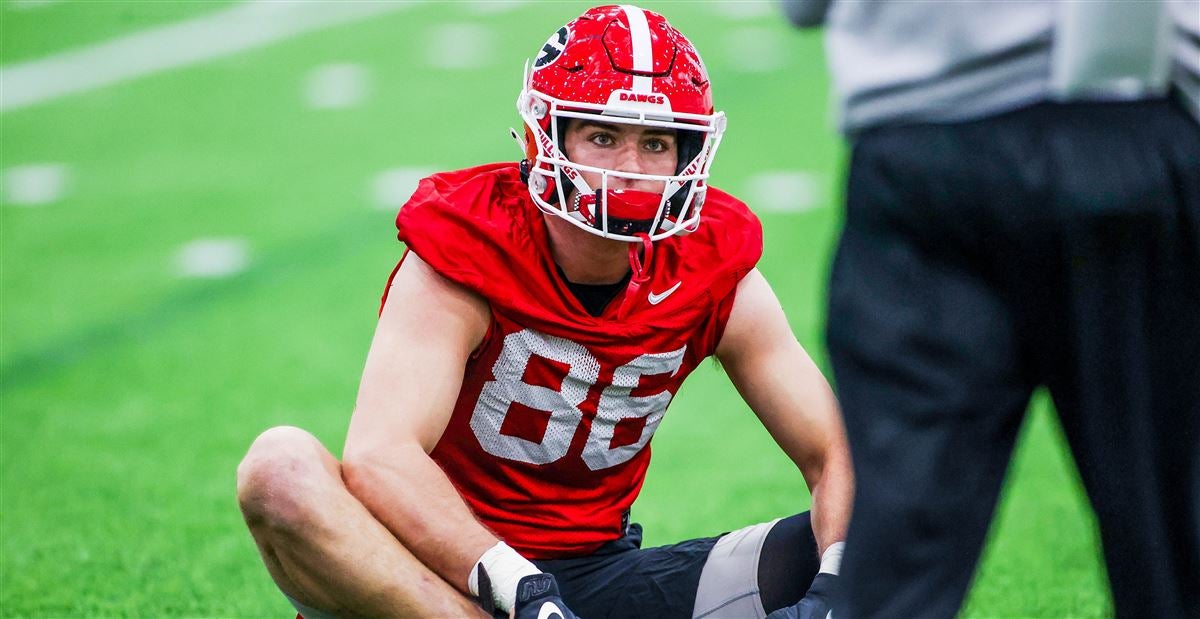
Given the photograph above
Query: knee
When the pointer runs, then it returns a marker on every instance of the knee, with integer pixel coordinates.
(280, 479)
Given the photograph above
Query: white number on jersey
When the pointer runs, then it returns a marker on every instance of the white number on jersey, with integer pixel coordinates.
(563, 405)
(616, 403)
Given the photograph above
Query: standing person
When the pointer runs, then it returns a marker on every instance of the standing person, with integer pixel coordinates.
(530, 341)
(1023, 209)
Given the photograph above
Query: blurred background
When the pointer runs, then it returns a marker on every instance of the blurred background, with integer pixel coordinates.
(196, 225)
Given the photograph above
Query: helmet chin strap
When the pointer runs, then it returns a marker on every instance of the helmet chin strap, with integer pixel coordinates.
(640, 272)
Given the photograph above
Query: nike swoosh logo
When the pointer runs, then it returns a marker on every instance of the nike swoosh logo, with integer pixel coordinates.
(549, 610)
(655, 299)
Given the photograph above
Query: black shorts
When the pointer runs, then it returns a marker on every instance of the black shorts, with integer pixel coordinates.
(739, 575)
(623, 580)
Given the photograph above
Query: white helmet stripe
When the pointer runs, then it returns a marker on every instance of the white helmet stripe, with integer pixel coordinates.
(643, 51)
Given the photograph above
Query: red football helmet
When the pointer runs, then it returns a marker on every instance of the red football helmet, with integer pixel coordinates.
(629, 66)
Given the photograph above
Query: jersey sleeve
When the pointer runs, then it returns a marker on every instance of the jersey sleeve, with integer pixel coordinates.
(464, 224)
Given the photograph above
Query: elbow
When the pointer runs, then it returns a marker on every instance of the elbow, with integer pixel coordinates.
(359, 473)
(368, 474)
(372, 474)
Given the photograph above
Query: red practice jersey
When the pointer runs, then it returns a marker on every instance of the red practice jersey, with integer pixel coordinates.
(549, 439)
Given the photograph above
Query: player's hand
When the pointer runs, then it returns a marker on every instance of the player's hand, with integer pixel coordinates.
(538, 598)
(816, 602)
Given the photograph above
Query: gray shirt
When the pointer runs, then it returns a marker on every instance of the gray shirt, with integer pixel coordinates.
(907, 61)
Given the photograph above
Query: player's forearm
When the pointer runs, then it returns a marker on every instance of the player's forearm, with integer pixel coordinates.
(800, 411)
(407, 491)
(832, 499)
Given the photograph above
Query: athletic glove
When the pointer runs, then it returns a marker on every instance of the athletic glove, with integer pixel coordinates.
(815, 604)
(538, 598)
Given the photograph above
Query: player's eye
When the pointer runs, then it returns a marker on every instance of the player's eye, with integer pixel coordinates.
(601, 138)
(656, 145)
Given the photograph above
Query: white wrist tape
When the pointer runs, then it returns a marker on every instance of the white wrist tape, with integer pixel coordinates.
(831, 559)
(505, 567)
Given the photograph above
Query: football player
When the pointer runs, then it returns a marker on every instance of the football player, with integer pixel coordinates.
(529, 344)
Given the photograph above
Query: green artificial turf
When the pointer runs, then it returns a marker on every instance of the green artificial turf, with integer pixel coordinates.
(30, 30)
(129, 393)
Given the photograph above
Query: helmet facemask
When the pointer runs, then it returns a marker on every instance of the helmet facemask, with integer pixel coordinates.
(593, 83)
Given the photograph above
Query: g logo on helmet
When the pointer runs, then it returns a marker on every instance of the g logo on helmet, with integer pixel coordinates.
(552, 49)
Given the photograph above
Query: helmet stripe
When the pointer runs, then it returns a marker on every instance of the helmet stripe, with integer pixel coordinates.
(643, 51)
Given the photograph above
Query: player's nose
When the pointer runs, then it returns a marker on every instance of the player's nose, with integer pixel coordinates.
(629, 159)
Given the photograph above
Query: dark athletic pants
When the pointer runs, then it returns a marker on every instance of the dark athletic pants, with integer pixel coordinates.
(1057, 245)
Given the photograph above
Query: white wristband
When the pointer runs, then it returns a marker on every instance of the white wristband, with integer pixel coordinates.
(505, 568)
(831, 559)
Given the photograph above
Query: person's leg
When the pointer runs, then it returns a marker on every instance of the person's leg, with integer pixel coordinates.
(739, 575)
(729, 583)
(927, 361)
(788, 562)
(621, 580)
(1125, 374)
(322, 547)
(758, 569)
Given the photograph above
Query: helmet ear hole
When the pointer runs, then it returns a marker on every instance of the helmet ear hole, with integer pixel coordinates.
(688, 144)
(560, 126)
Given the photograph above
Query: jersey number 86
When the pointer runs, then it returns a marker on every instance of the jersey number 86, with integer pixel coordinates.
(616, 402)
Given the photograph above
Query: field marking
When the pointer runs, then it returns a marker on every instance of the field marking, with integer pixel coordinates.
(746, 9)
(785, 191)
(493, 7)
(460, 46)
(213, 258)
(755, 49)
(242, 27)
(337, 86)
(392, 188)
(29, 5)
(35, 184)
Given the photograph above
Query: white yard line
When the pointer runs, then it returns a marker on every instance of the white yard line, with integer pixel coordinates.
(29, 5)
(756, 49)
(390, 189)
(337, 86)
(460, 46)
(786, 191)
(242, 27)
(34, 184)
(745, 9)
(213, 258)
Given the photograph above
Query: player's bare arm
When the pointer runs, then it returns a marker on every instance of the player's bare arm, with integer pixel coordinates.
(384, 533)
(789, 394)
(785, 389)
(427, 329)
